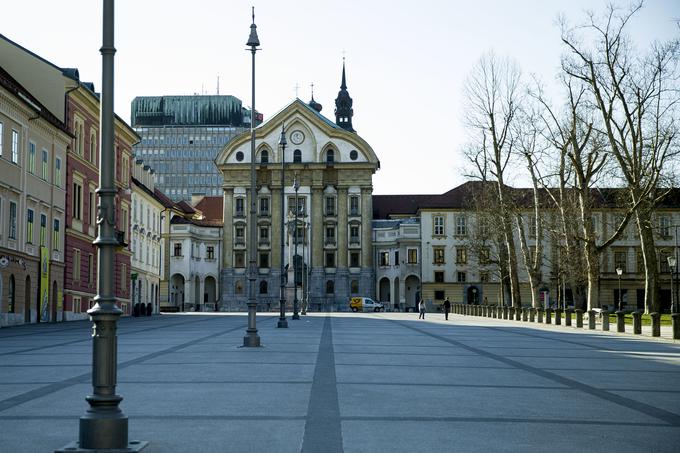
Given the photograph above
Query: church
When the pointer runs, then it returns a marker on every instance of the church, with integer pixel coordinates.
(318, 189)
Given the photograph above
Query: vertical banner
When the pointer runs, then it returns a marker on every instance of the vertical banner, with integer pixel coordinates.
(44, 284)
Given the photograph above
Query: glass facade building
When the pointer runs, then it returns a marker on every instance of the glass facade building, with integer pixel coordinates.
(182, 135)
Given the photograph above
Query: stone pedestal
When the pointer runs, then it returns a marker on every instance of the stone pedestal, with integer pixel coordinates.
(656, 323)
(494, 311)
(567, 317)
(620, 321)
(511, 313)
(605, 321)
(579, 318)
(558, 317)
(548, 316)
(637, 323)
(525, 314)
(675, 321)
(540, 314)
(532, 315)
(592, 316)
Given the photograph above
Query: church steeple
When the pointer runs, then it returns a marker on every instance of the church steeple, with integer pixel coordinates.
(343, 105)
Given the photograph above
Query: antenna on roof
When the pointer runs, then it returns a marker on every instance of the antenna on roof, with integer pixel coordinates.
(296, 87)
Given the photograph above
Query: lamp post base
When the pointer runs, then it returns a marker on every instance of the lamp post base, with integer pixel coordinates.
(282, 324)
(133, 446)
(251, 341)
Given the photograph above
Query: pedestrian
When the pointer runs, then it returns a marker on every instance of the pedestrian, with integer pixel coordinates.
(421, 308)
(447, 308)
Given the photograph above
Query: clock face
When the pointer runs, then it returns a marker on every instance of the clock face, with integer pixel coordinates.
(297, 137)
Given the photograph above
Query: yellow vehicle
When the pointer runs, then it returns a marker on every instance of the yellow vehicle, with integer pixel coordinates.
(365, 304)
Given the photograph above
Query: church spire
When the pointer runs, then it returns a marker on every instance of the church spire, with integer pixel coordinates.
(343, 105)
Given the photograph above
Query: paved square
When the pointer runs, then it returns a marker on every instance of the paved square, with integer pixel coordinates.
(348, 383)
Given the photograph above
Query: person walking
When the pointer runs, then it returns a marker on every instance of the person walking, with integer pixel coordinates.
(421, 309)
(447, 308)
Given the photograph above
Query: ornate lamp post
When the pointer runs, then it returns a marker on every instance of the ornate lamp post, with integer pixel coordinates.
(296, 186)
(671, 264)
(104, 427)
(619, 271)
(252, 339)
(283, 323)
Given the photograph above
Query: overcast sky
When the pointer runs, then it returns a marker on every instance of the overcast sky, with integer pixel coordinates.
(406, 60)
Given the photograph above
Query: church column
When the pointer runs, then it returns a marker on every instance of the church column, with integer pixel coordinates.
(342, 271)
(367, 283)
(227, 268)
(316, 283)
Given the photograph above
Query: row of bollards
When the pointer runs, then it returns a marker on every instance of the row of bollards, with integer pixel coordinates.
(529, 314)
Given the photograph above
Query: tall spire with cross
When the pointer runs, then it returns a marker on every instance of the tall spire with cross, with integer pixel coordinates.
(343, 104)
(313, 104)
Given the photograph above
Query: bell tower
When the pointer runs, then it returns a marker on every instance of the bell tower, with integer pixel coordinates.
(343, 105)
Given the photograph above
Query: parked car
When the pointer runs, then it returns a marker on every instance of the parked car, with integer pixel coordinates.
(365, 304)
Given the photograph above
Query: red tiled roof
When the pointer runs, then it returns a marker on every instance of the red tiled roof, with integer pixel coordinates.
(211, 207)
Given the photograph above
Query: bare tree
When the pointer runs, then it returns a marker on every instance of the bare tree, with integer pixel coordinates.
(493, 94)
(635, 99)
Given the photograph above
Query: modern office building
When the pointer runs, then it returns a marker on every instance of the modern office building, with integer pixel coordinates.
(181, 136)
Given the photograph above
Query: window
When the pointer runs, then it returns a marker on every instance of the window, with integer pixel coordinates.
(330, 235)
(301, 205)
(354, 234)
(15, 146)
(264, 206)
(330, 206)
(55, 235)
(663, 261)
(461, 225)
(438, 222)
(412, 255)
(264, 156)
(483, 226)
(264, 234)
(639, 261)
(43, 229)
(264, 287)
(439, 295)
(29, 226)
(239, 259)
(11, 296)
(93, 146)
(354, 205)
(92, 207)
(57, 172)
(1, 137)
(484, 255)
(384, 258)
(77, 195)
(79, 132)
(12, 220)
(76, 265)
(354, 287)
(396, 258)
(438, 254)
(330, 156)
(210, 252)
(264, 260)
(330, 259)
(125, 171)
(76, 304)
(239, 235)
(90, 269)
(239, 204)
(177, 249)
(438, 276)
(123, 278)
(353, 154)
(461, 277)
(330, 286)
(461, 255)
(664, 226)
(31, 158)
(484, 277)
(297, 156)
(354, 259)
(44, 172)
(532, 226)
(620, 260)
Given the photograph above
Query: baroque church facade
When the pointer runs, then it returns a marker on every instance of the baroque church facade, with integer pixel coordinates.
(319, 187)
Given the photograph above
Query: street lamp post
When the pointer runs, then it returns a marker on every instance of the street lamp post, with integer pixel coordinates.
(671, 264)
(619, 271)
(252, 339)
(296, 186)
(283, 323)
(104, 427)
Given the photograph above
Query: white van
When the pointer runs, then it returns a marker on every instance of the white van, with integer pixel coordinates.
(365, 304)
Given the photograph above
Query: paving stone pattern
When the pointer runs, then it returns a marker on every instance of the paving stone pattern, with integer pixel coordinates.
(378, 382)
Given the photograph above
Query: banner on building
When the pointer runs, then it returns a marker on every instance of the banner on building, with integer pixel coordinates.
(44, 284)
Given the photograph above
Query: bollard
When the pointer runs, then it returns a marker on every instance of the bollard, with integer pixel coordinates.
(579, 318)
(591, 319)
(605, 321)
(637, 323)
(511, 313)
(656, 323)
(567, 317)
(525, 314)
(518, 314)
(620, 321)
(675, 322)
(532, 315)
(494, 310)
(540, 314)
(478, 310)
(548, 315)
(558, 316)
(505, 312)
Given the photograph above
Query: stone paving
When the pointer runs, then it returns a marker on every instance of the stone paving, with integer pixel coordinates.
(378, 382)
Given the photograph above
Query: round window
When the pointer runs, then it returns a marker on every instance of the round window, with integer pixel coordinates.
(239, 156)
(353, 154)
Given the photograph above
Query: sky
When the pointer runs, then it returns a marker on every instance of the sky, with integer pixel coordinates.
(406, 61)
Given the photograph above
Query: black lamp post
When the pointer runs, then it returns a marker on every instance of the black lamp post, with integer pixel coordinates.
(283, 323)
(671, 264)
(252, 339)
(619, 271)
(296, 186)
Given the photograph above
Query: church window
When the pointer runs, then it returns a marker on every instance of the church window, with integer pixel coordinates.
(330, 156)
(297, 156)
(353, 154)
(264, 156)
(239, 156)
